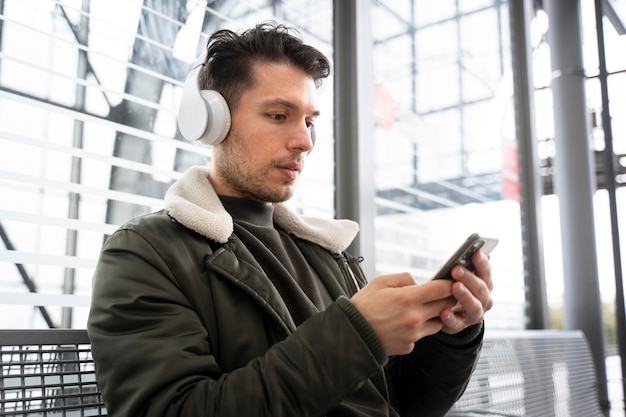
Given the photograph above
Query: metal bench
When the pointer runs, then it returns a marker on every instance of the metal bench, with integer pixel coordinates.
(520, 373)
(532, 373)
(48, 373)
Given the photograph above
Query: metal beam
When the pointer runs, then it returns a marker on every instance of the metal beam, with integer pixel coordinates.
(520, 14)
(354, 123)
(609, 171)
(575, 183)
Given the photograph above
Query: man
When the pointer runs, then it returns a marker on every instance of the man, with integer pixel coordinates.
(227, 303)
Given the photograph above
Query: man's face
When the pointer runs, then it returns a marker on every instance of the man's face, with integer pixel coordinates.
(264, 153)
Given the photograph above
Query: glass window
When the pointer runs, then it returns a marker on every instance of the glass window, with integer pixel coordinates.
(88, 101)
(441, 162)
(616, 67)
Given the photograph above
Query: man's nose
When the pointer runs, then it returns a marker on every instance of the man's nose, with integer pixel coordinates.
(303, 138)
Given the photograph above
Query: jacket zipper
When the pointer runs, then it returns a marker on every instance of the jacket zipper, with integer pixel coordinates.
(350, 273)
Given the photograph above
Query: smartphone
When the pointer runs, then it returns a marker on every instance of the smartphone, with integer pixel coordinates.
(463, 255)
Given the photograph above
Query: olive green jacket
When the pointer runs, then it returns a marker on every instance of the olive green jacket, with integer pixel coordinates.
(184, 322)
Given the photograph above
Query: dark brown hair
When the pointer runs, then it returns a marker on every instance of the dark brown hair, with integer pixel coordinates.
(231, 56)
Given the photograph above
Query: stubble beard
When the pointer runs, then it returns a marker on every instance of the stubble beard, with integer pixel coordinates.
(249, 184)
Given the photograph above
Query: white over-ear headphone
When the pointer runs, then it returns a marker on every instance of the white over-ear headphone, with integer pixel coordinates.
(203, 115)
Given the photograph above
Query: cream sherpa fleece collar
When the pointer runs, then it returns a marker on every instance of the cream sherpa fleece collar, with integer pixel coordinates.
(192, 201)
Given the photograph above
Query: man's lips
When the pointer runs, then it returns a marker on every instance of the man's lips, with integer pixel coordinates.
(290, 169)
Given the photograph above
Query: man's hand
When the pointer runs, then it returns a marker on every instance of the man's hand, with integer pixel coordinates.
(402, 312)
(473, 294)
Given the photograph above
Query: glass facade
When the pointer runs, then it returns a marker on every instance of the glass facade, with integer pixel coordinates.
(445, 146)
(88, 137)
(614, 44)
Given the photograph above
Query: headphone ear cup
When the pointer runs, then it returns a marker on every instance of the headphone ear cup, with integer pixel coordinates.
(203, 115)
(218, 124)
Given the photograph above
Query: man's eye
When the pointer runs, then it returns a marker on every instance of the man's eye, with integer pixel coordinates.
(277, 116)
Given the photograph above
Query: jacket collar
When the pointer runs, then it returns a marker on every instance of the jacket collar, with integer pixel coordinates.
(192, 201)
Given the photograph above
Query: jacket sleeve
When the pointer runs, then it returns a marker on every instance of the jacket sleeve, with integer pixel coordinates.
(153, 356)
(429, 380)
